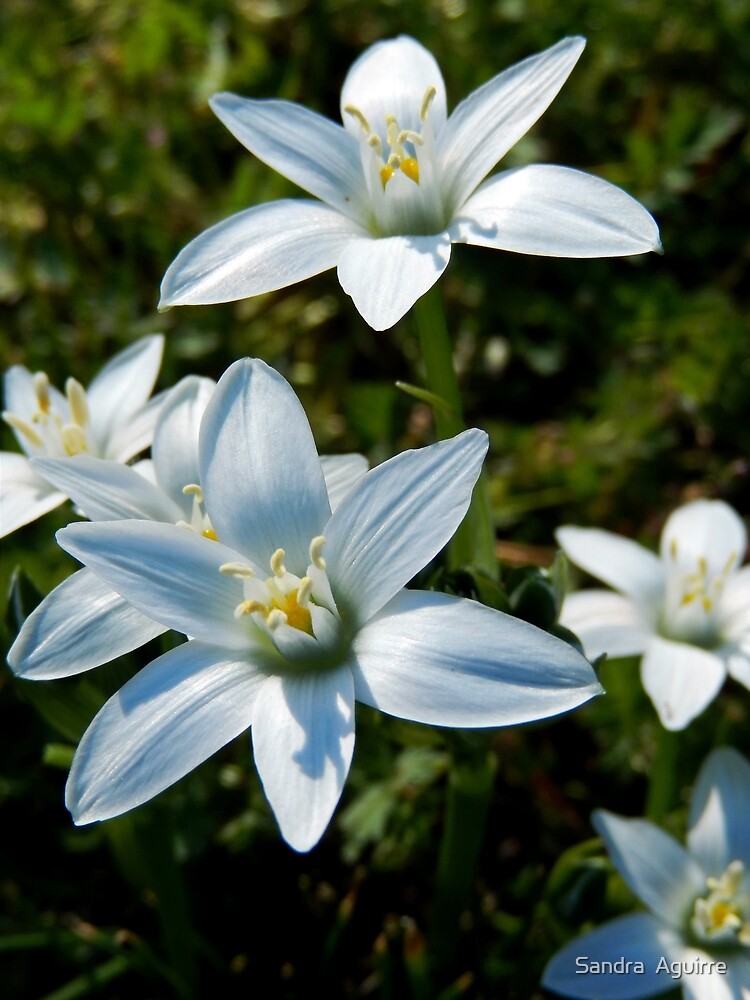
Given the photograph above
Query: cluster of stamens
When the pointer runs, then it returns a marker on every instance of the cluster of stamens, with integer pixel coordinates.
(199, 521)
(283, 598)
(699, 586)
(723, 915)
(47, 431)
(396, 138)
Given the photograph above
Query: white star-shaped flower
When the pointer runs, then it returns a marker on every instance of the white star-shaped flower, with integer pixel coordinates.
(687, 612)
(112, 419)
(400, 182)
(695, 931)
(83, 623)
(295, 611)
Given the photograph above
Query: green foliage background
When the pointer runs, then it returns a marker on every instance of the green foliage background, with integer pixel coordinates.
(612, 390)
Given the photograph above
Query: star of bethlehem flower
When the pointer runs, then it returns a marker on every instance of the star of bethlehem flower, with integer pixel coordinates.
(695, 931)
(687, 612)
(399, 183)
(83, 623)
(111, 419)
(295, 611)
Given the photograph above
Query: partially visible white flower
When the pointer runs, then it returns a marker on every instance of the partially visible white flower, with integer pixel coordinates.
(399, 183)
(111, 419)
(296, 611)
(687, 612)
(83, 623)
(697, 900)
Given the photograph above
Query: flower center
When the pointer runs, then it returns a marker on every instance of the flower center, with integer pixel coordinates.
(49, 432)
(199, 521)
(399, 169)
(691, 599)
(287, 607)
(723, 915)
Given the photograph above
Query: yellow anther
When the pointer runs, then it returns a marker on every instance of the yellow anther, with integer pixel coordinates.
(277, 563)
(236, 569)
(673, 548)
(275, 618)
(410, 167)
(247, 608)
(304, 591)
(23, 427)
(707, 603)
(688, 597)
(73, 439)
(294, 611)
(316, 549)
(41, 391)
(406, 135)
(79, 406)
(427, 100)
(357, 116)
(386, 172)
(702, 566)
(193, 489)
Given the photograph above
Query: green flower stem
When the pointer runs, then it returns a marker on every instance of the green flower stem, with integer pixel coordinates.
(662, 784)
(470, 784)
(474, 542)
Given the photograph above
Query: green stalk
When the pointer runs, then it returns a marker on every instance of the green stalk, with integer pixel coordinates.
(474, 542)
(470, 783)
(662, 784)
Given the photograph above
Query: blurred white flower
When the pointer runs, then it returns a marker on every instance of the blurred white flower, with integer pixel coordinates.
(400, 182)
(83, 623)
(294, 611)
(111, 419)
(687, 612)
(695, 931)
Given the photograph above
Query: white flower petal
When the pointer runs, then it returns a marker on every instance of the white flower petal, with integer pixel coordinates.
(107, 491)
(24, 496)
(137, 433)
(392, 78)
(658, 869)
(175, 447)
(680, 679)
(121, 388)
(734, 607)
(341, 473)
(447, 661)
(738, 667)
(492, 119)
(720, 812)
(617, 561)
(303, 740)
(636, 937)
(258, 250)
(397, 518)
(176, 712)
(708, 530)
(312, 151)
(168, 573)
(605, 622)
(81, 624)
(385, 277)
(712, 984)
(554, 211)
(19, 396)
(260, 471)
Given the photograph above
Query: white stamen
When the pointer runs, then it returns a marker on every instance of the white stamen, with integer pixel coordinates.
(193, 489)
(236, 569)
(316, 548)
(73, 439)
(23, 427)
(41, 391)
(277, 564)
(304, 591)
(358, 117)
(275, 618)
(77, 401)
(427, 100)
